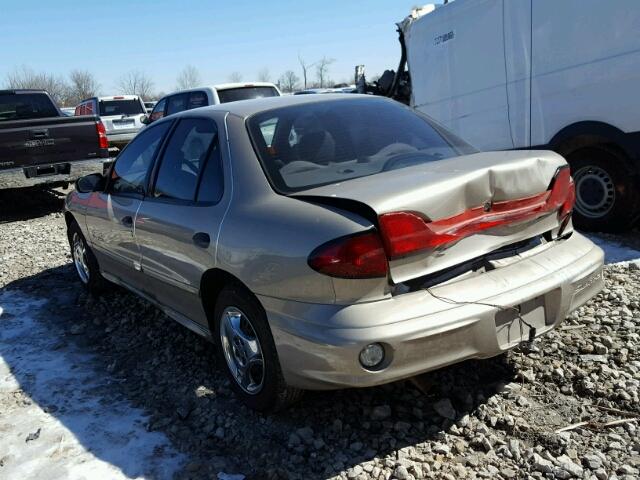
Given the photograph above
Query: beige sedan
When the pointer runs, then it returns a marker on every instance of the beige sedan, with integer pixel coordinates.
(331, 241)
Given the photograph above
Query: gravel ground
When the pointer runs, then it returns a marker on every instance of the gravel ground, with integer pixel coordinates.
(497, 418)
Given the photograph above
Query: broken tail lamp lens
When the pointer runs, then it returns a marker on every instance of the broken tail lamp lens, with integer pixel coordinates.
(405, 233)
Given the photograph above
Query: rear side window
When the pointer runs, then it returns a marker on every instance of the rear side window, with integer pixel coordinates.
(246, 93)
(120, 107)
(197, 100)
(132, 165)
(21, 106)
(176, 103)
(184, 159)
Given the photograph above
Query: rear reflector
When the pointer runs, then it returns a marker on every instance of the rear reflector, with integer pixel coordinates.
(356, 256)
(406, 233)
(103, 142)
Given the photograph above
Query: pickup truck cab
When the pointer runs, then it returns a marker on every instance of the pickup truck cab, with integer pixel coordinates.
(41, 145)
(121, 115)
(212, 95)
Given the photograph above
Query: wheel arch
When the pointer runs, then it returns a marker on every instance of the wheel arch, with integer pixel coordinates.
(212, 282)
(69, 218)
(586, 134)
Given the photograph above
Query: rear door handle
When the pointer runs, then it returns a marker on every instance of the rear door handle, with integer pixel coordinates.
(127, 221)
(202, 240)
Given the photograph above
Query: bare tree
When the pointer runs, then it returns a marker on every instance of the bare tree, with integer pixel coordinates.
(25, 77)
(82, 84)
(322, 70)
(289, 81)
(305, 68)
(135, 82)
(235, 77)
(264, 75)
(189, 77)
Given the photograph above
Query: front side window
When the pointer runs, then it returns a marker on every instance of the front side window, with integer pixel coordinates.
(184, 158)
(177, 103)
(130, 170)
(158, 110)
(328, 142)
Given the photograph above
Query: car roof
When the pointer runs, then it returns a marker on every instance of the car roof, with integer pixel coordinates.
(223, 86)
(118, 97)
(246, 108)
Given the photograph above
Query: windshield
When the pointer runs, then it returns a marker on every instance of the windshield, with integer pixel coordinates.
(120, 107)
(20, 106)
(309, 145)
(246, 93)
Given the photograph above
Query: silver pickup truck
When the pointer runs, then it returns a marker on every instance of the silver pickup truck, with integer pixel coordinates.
(41, 146)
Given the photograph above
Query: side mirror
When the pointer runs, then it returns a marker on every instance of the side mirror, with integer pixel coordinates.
(144, 119)
(91, 183)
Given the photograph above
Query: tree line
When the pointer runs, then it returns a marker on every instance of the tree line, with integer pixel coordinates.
(81, 84)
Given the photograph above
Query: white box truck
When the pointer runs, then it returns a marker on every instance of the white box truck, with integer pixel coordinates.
(540, 74)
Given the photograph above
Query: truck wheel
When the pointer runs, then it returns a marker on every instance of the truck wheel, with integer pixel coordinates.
(248, 353)
(607, 199)
(84, 261)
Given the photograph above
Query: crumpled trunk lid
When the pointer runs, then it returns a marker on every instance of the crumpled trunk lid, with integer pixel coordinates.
(447, 188)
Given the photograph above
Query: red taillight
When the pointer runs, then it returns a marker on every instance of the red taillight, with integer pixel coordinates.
(405, 233)
(102, 135)
(357, 256)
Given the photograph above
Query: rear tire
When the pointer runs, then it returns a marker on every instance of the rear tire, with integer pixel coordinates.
(242, 336)
(84, 261)
(607, 198)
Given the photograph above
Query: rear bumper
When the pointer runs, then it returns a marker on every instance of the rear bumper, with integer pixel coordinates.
(121, 139)
(318, 345)
(49, 173)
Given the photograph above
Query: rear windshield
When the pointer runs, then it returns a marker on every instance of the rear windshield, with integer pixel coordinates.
(305, 146)
(26, 105)
(120, 107)
(246, 93)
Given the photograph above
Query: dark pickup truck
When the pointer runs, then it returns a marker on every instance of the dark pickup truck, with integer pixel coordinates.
(41, 146)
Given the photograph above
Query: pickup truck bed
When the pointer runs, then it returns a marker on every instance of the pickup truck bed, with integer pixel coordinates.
(39, 145)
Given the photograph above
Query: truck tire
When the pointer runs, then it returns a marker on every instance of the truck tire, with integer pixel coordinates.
(607, 198)
(247, 352)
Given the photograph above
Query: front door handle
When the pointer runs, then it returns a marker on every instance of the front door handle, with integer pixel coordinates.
(202, 240)
(127, 221)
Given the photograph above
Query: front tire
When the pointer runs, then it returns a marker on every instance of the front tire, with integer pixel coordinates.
(246, 349)
(84, 261)
(607, 198)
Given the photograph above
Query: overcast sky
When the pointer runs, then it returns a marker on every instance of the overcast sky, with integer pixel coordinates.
(160, 37)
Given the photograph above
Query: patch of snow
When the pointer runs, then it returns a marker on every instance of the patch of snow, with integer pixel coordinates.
(230, 476)
(614, 252)
(59, 417)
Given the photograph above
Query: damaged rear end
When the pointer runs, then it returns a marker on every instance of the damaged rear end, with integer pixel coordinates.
(444, 219)
(450, 254)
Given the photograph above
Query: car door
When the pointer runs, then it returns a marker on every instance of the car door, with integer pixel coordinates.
(178, 222)
(110, 214)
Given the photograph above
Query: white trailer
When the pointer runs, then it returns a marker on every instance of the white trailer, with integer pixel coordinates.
(541, 74)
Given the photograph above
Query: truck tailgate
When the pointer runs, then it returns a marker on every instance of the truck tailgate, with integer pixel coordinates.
(50, 140)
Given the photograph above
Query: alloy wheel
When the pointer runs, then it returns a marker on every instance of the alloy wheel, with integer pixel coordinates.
(80, 258)
(242, 350)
